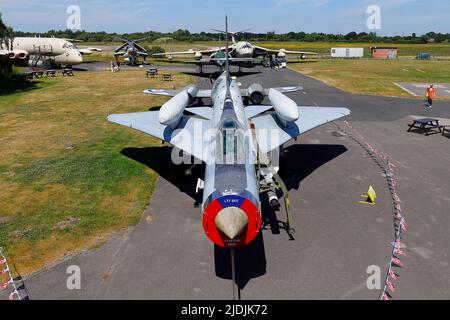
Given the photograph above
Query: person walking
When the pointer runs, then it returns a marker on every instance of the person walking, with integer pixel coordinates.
(431, 93)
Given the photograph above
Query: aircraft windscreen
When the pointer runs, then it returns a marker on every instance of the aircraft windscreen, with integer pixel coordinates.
(231, 148)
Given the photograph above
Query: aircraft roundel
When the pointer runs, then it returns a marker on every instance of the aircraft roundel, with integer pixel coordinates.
(252, 229)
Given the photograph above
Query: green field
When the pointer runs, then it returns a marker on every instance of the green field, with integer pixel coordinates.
(375, 77)
(64, 183)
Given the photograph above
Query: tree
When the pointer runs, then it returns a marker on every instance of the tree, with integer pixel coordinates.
(6, 38)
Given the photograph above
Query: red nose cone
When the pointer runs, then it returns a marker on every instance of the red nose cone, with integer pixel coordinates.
(220, 206)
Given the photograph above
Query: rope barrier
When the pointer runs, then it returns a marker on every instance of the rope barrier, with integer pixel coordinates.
(400, 226)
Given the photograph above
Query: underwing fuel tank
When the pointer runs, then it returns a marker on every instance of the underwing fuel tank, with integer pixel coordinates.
(171, 112)
(285, 108)
(232, 221)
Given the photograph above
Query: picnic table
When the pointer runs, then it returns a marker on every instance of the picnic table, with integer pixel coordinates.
(427, 125)
(50, 73)
(38, 74)
(67, 72)
(167, 77)
(445, 125)
(26, 76)
(152, 72)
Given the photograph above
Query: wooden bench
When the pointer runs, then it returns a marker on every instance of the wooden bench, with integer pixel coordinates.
(67, 72)
(167, 77)
(427, 125)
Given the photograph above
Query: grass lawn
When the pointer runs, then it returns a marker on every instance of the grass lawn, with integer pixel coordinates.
(64, 185)
(374, 76)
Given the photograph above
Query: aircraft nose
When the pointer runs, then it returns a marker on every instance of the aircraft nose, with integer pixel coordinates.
(231, 222)
(79, 58)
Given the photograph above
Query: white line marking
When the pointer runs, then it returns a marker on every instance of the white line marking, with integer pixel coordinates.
(403, 88)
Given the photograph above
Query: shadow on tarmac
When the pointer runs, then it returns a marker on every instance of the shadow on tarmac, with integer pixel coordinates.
(159, 159)
(301, 160)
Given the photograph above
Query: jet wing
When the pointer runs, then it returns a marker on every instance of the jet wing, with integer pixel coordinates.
(285, 89)
(122, 47)
(86, 51)
(310, 118)
(203, 52)
(140, 48)
(173, 93)
(188, 136)
(275, 51)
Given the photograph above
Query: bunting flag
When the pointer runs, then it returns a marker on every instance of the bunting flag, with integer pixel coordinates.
(4, 271)
(397, 262)
(403, 224)
(393, 275)
(400, 252)
(390, 286)
(385, 297)
(3, 261)
(7, 283)
(11, 296)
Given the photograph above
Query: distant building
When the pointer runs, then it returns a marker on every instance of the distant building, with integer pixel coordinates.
(384, 53)
(347, 52)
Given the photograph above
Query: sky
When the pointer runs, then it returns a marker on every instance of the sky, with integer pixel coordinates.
(398, 17)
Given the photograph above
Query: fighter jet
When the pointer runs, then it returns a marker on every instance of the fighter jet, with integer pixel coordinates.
(217, 59)
(234, 142)
(245, 49)
(240, 50)
(131, 50)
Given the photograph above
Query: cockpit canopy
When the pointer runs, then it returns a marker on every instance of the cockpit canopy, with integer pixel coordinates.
(230, 144)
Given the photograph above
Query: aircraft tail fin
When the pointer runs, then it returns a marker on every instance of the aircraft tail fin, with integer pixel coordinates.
(227, 65)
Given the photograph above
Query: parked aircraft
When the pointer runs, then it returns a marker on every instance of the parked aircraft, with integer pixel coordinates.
(234, 142)
(240, 50)
(131, 51)
(51, 52)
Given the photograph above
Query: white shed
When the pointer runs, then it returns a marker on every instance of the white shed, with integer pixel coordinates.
(347, 52)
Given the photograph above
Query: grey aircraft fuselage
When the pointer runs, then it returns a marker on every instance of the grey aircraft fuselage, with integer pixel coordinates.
(235, 174)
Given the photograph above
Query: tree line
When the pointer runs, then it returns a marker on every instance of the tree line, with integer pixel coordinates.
(187, 36)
